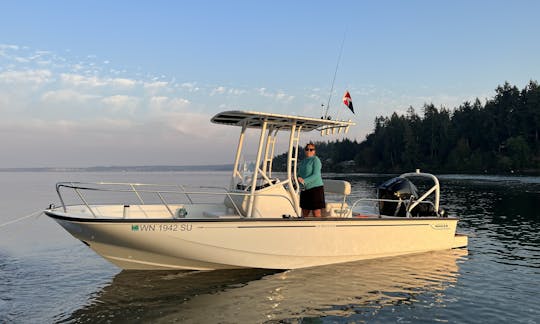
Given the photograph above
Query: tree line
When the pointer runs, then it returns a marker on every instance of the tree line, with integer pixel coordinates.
(500, 135)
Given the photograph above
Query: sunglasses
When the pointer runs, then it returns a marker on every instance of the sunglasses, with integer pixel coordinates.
(309, 149)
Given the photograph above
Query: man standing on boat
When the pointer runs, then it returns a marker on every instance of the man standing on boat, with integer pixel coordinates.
(309, 176)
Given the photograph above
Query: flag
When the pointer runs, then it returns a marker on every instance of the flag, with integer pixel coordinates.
(348, 101)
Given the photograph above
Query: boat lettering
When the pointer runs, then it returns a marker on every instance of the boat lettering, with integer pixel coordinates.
(186, 227)
(147, 227)
(162, 228)
(440, 226)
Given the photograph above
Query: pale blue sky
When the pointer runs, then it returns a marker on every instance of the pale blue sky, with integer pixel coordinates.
(135, 83)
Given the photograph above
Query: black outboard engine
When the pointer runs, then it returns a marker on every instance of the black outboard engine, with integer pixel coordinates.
(399, 189)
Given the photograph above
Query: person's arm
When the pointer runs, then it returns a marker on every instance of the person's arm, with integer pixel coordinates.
(315, 174)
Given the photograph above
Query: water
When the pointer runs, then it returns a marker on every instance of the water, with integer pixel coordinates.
(48, 276)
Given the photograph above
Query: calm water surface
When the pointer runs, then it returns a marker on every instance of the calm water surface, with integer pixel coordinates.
(48, 276)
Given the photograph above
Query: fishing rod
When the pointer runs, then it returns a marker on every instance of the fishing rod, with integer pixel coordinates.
(325, 115)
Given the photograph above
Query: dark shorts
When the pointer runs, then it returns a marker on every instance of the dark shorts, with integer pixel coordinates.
(312, 199)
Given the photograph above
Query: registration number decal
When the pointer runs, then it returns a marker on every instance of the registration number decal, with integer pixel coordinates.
(161, 227)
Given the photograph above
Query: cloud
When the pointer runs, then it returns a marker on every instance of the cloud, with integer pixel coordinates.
(188, 123)
(218, 91)
(221, 90)
(8, 47)
(195, 125)
(77, 80)
(91, 108)
(123, 82)
(159, 105)
(279, 95)
(36, 77)
(237, 92)
(283, 97)
(66, 96)
(80, 80)
(179, 103)
(158, 100)
(121, 103)
(155, 85)
(190, 86)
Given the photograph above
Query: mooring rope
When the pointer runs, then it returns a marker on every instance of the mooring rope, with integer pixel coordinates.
(21, 218)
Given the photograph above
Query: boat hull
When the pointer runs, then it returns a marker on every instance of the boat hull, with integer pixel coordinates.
(200, 244)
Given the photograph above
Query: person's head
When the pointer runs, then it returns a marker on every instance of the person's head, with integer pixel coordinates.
(309, 150)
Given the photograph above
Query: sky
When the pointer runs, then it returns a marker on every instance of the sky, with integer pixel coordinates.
(108, 83)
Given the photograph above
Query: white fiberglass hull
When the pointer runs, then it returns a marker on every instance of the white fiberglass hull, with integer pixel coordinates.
(198, 244)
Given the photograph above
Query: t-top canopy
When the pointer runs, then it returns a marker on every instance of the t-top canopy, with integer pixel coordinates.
(253, 119)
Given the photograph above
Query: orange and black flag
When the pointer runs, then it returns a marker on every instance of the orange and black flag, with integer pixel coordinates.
(348, 101)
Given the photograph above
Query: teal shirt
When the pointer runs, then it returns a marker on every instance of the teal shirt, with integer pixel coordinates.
(310, 170)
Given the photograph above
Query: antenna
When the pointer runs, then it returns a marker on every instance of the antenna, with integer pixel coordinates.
(325, 116)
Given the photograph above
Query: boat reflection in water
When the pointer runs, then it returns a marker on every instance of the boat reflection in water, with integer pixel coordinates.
(257, 295)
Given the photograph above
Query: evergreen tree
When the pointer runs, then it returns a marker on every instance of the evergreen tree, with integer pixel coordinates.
(501, 135)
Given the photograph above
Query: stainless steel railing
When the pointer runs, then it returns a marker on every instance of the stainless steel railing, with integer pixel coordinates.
(374, 206)
(140, 189)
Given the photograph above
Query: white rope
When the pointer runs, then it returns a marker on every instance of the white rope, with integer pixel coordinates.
(21, 218)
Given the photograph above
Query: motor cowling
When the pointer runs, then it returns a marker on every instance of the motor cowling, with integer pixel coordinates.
(401, 190)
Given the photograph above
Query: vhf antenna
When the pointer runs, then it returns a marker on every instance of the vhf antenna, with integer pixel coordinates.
(325, 116)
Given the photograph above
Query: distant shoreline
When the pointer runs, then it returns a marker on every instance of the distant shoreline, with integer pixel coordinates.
(228, 167)
(149, 168)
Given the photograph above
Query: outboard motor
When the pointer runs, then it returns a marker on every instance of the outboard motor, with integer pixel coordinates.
(399, 189)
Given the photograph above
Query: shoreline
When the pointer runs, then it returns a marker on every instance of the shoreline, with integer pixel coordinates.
(228, 167)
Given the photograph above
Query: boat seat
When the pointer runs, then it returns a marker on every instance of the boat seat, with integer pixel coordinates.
(338, 187)
(336, 209)
(270, 202)
(341, 189)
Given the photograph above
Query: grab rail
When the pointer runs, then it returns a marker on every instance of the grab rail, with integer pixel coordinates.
(78, 187)
(413, 202)
(409, 205)
(436, 188)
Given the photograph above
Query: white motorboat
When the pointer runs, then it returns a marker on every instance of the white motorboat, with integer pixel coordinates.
(255, 222)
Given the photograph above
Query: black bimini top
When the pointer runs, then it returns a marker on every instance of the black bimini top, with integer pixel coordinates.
(253, 119)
